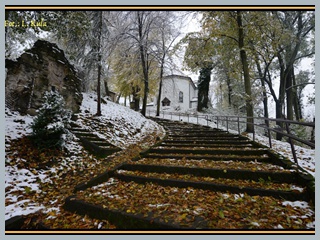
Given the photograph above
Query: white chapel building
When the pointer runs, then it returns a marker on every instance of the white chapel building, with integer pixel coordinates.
(179, 93)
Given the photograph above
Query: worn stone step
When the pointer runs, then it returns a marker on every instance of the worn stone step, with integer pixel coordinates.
(232, 138)
(101, 143)
(264, 159)
(288, 195)
(90, 137)
(279, 177)
(191, 128)
(121, 219)
(212, 151)
(197, 132)
(208, 141)
(209, 135)
(98, 150)
(211, 145)
(85, 134)
(79, 129)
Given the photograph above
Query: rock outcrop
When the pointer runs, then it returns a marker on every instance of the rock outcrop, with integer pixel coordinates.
(42, 68)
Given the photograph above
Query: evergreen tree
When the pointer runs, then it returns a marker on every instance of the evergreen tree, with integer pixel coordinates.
(50, 125)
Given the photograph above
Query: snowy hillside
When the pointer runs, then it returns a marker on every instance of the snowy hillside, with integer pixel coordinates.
(119, 125)
(25, 183)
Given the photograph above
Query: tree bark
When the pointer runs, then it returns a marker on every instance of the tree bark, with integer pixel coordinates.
(160, 82)
(229, 90)
(289, 95)
(99, 66)
(136, 98)
(203, 88)
(264, 92)
(247, 83)
(159, 97)
(144, 62)
(296, 100)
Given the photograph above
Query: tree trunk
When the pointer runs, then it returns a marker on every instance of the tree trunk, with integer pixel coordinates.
(296, 99)
(159, 98)
(279, 115)
(136, 98)
(146, 91)
(99, 90)
(289, 95)
(203, 88)
(160, 85)
(264, 92)
(99, 66)
(247, 83)
(144, 61)
(118, 98)
(229, 90)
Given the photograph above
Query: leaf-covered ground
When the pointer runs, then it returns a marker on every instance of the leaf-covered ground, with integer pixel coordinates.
(253, 165)
(263, 184)
(38, 182)
(54, 185)
(214, 210)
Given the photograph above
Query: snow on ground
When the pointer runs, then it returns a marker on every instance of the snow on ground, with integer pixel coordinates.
(16, 125)
(18, 179)
(132, 128)
(119, 125)
(305, 156)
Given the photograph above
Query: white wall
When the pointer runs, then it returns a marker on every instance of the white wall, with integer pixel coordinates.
(171, 88)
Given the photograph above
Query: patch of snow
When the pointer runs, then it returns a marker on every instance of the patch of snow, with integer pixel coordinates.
(305, 156)
(20, 178)
(300, 189)
(23, 207)
(255, 224)
(279, 226)
(159, 205)
(134, 126)
(17, 126)
(237, 196)
(100, 225)
(300, 204)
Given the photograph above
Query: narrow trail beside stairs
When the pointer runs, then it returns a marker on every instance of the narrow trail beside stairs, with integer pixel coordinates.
(197, 177)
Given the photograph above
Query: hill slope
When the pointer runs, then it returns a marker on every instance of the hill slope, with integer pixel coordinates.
(30, 188)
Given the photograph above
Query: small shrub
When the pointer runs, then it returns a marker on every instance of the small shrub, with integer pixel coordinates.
(50, 125)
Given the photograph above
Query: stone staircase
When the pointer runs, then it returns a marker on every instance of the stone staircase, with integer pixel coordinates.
(98, 146)
(192, 159)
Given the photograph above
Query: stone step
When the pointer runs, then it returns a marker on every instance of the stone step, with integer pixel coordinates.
(211, 145)
(222, 137)
(79, 129)
(264, 159)
(200, 135)
(210, 151)
(208, 141)
(288, 195)
(101, 143)
(97, 146)
(121, 219)
(271, 176)
(85, 134)
(90, 137)
(200, 130)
